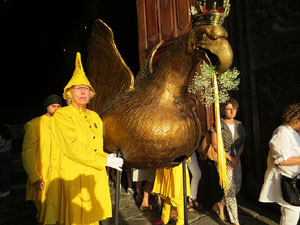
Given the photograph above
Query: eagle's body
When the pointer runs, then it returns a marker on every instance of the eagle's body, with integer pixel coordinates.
(151, 123)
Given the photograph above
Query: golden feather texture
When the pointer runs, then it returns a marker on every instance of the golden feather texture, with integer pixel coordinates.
(152, 124)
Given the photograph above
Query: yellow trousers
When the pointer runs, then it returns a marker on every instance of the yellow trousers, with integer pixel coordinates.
(167, 207)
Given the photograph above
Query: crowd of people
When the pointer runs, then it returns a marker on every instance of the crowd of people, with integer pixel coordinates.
(64, 158)
(69, 173)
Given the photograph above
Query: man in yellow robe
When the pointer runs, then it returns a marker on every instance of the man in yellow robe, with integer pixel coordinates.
(36, 152)
(169, 184)
(78, 192)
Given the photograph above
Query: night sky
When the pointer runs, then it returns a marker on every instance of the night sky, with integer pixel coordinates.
(38, 43)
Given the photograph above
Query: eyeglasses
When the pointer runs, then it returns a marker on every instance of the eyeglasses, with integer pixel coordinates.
(230, 109)
(79, 88)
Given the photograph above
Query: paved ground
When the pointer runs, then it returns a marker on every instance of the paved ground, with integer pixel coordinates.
(15, 211)
(250, 213)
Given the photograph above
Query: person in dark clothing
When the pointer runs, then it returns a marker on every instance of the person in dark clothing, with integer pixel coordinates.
(5, 154)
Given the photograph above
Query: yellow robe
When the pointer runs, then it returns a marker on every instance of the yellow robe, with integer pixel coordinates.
(78, 192)
(169, 184)
(35, 154)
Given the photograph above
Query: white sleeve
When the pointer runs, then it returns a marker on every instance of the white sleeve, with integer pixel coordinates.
(280, 147)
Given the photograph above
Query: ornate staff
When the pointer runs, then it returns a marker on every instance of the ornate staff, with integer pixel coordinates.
(221, 165)
(207, 83)
(202, 16)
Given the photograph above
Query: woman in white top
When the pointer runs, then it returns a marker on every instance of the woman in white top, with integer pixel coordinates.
(234, 135)
(284, 158)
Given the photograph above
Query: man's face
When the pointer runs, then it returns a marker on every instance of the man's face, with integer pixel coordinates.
(80, 95)
(51, 109)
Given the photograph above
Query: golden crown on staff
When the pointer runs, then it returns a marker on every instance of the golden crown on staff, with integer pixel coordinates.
(202, 16)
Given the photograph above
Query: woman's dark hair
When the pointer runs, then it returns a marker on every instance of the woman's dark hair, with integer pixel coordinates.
(291, 114)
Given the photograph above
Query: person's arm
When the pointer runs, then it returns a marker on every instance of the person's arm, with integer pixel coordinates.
(231, 160)
(214, 140)
(292, 161)
(214, 143)
(280, 147)
(235, 160)
(29, 148)
(240, 151)
(39, 184)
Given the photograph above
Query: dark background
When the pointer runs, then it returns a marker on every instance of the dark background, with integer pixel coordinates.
(38, 43)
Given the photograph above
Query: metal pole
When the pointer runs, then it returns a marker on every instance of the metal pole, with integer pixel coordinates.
(117, 191)
(186, 220)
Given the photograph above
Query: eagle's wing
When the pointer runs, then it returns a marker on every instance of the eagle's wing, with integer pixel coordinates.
(147, 69)
(108, 73)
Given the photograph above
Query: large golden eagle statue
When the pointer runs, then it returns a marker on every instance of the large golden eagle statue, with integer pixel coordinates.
(148, 118)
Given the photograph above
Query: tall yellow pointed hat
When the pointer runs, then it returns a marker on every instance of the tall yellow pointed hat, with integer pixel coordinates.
(79, 77)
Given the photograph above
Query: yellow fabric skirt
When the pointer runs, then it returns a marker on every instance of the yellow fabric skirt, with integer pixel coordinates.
(169, 182)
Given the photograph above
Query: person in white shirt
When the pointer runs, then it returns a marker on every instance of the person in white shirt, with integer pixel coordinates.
(284, 158)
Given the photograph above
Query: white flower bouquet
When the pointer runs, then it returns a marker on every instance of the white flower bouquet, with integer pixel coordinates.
(202, 82)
